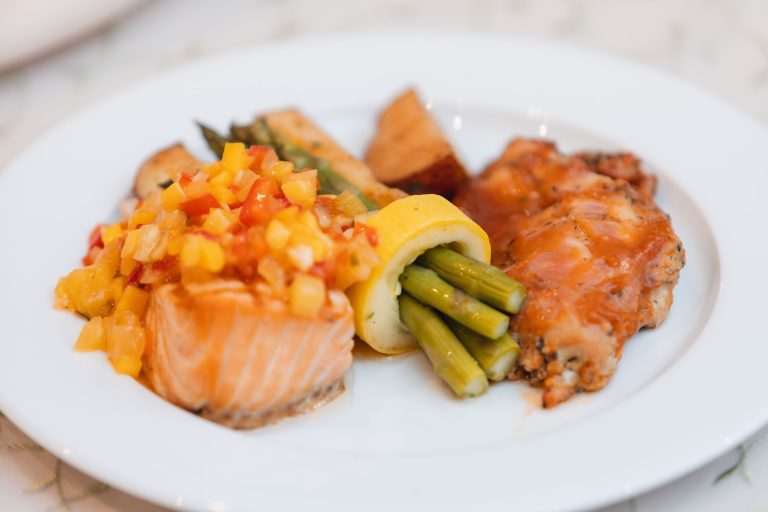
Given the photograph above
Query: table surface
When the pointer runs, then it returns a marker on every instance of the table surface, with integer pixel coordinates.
(722, 45)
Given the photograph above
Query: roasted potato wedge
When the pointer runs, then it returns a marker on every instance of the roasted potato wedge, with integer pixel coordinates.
(164, 165)
(409, 151)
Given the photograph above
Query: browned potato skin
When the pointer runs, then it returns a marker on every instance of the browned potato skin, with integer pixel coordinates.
(301, 131)
(164, 165)
(409, 151)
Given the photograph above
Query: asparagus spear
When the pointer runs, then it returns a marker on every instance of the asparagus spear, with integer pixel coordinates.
(215, 140)
(425, 285)
(485, 282)
(330, 181)
(449, 358)
(497, 357)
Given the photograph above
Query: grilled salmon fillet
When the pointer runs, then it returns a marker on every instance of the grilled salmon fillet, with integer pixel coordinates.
(242, 360)
(597, 255)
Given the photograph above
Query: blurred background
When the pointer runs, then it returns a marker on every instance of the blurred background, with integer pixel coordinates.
(57, 56)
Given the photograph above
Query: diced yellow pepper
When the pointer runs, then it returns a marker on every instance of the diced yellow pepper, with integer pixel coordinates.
(126, 339)
(223, 194)
(218, 221)
(279, 170)
(277, 235)
(223, 179)
(173, 196)
(93, 336)
(306, 295)
(213, 169)
(111, 233)
(131, 242)
(116, 288)
(203, 253)
(235, 157)
(288, 215)
(128, 265)
(127, 366)
(212, 256)
(142, 216)
(133, 299)
(303, 192)
(174, 246)
(89, 290)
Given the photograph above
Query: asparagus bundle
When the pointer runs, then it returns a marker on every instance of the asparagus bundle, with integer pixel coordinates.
(476, 347)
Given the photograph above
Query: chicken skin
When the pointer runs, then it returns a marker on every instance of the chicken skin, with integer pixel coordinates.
(598, 257)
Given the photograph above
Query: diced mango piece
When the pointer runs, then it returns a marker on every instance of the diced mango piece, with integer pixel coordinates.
(223, 179)
(303, 192)
(174, 246)
(173, 196)
(127, 366)
(131, 242)
(133, 299)
(279, 170)
(88, 290)
(306, 295)
(277, 235)
(116, 287)
(235, 157)
(212, 169)
(126, 339)
(202, 253)
(111, 233)
(288, 215)
(199, 187)
(218, 221)
(93, 336)
(141, 217)
(223, 195)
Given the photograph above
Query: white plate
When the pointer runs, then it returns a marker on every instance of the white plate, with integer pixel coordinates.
(396, 440)
(29, 28)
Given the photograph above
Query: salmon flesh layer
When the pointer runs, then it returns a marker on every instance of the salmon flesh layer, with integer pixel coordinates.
(241, 360)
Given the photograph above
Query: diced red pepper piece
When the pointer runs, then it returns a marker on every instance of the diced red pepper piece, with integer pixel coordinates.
(133, 278)
(165, 263)
(185, 179)
(263, 201)
(370, 233)
(94, 238)
(247, 249)
(324, 270)
(199, 205)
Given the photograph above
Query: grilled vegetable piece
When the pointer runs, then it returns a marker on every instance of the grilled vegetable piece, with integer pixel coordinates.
(425, 285)
(497, 357)
(291, 126)
(450, 359)
(409, 151)
(164, 165)
(482, 281)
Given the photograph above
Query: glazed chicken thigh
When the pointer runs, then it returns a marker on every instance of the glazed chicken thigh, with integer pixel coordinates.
(599, 258)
